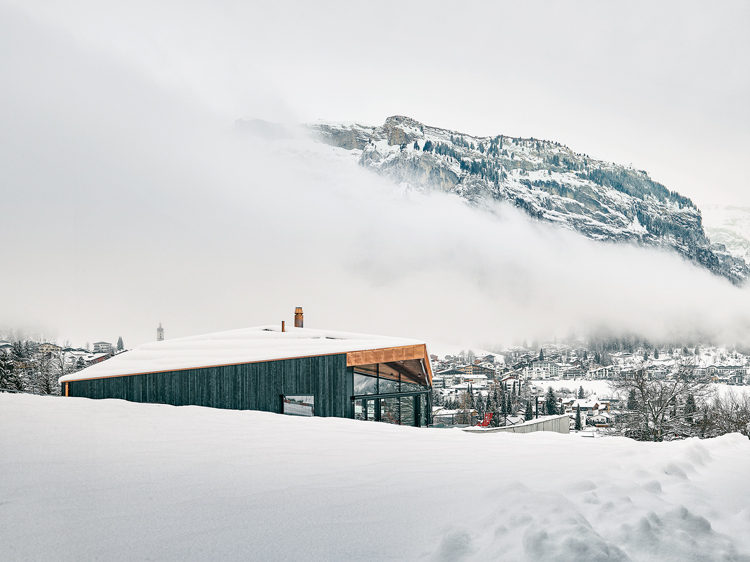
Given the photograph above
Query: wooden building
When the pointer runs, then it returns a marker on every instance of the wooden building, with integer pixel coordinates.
(298, 371)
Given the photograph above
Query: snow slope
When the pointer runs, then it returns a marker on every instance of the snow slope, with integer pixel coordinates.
(729, 226)
(111, 480)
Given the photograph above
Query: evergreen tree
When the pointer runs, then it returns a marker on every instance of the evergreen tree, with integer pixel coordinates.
(514, 388)
(585, 355)
(690, 408)
(416, 145)
(579, 425)
(495, 409)
(580, 392)
(120, 345)
(9, 378)
(529, 414)
(550, 402)
(427, 146)
(541, 354)
(632, 400)
(480, 406)
(645, 355)
(656, 353)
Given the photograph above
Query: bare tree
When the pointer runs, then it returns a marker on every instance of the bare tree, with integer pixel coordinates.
(45, 375)
(656, 412)
(465, 406)
(728, 414)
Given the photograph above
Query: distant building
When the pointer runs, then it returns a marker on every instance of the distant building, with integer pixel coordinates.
(603, 373)
(48, 348)
(102, 347)
(94, 358)
(159, 333)
(471, 370)
(551, 369)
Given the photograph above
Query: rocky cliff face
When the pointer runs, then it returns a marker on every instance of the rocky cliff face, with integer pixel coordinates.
(545, 179)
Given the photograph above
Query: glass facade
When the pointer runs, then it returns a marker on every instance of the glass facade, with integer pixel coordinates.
(396, 392)
(365, 384)
(389, 410)
(407, 410)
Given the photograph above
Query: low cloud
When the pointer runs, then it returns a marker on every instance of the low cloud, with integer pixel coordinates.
(126, 205)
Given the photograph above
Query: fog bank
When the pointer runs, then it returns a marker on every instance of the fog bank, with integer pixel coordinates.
(126, 204)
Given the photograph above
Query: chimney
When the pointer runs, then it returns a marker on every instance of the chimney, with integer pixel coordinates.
(298, 317)
(283, 327)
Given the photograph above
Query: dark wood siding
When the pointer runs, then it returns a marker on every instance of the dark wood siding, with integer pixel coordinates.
(250, 386)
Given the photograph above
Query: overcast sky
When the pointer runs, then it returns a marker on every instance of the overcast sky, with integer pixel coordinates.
(127, 201)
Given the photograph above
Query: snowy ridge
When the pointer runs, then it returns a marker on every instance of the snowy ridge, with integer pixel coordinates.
(547, 180)
(246, 345)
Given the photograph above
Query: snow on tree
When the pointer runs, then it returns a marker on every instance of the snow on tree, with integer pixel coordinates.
(690, 408)
(9, 378)
(550, 402)
(529, 414)
(632, 400)
(654, 416)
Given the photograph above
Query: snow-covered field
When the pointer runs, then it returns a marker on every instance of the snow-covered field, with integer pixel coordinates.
(110, 480)
(601, 388)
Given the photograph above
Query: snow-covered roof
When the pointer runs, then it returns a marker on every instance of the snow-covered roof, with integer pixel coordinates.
(246, 345)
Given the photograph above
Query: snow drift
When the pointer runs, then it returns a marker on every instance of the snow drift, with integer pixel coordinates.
(111, 480)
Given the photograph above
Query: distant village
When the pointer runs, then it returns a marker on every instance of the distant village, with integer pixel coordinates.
(468, 387)
(492, 389)
(32, 364)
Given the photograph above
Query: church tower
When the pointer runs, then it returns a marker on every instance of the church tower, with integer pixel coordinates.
(159, 333)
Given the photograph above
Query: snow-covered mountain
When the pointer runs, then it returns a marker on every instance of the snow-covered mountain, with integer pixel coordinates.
(729, 226)
(547, 180)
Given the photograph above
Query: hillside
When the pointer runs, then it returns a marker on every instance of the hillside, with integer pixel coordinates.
(729, 226)
(547, 180)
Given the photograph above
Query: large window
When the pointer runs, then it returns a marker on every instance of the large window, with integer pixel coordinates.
(390, 378)
(389, 410)
(407, 410)
(365, 409)
(365, 383)
(405, 378)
